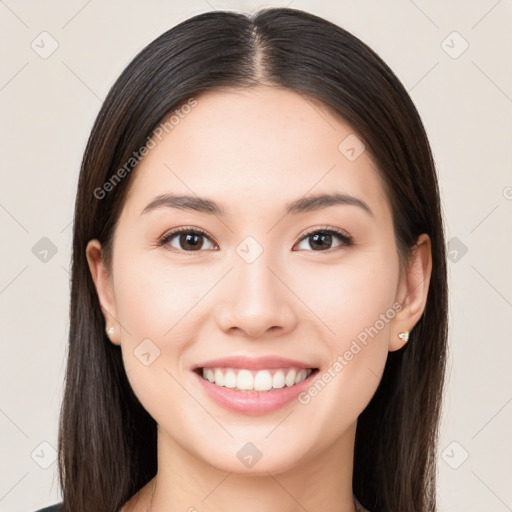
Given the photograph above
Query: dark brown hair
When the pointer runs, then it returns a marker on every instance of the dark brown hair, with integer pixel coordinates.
(107, 440)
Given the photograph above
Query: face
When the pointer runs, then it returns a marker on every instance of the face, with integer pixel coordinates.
(306, 288)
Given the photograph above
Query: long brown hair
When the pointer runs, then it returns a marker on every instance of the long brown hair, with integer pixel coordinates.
(107, 440)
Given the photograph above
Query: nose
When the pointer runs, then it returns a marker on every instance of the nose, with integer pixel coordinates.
(257, 300)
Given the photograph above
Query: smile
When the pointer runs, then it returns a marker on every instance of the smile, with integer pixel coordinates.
(252, 380)
(254, 391)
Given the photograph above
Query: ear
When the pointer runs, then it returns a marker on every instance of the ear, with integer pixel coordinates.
(412, 291)
(104, 288)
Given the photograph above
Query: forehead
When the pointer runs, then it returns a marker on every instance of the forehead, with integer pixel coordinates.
(253, 146)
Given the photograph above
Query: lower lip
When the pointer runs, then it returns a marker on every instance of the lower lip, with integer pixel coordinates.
(254, 402)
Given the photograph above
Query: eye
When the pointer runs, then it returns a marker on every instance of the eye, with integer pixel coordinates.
(323, 237)
(189, 240)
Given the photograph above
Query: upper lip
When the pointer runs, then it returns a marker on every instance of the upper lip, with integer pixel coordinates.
(253, 363)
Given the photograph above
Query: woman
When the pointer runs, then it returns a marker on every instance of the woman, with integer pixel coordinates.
(259, 298)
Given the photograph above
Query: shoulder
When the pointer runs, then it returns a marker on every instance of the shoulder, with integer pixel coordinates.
(52, 508)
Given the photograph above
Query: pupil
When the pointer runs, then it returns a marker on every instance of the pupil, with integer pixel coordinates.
(186, 240)
(324, 236)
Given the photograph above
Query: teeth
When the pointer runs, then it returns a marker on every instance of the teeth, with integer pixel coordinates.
(278, 380)
(219, 378)
(243, 381)
(262, 380)
(301, 375)
(230, 380)
(290, 378)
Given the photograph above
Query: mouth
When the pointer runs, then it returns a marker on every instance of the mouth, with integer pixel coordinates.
(254, 385)
(262, 380)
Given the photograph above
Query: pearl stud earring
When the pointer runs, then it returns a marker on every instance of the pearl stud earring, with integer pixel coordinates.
(109, 331)
(404, 335)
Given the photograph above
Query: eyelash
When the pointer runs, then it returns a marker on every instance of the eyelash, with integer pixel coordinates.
(346, 240)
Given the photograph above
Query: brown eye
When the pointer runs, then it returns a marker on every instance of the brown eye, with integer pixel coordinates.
(321, 240)
(185, 239)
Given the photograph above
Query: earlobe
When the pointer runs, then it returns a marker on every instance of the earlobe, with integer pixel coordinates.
(412, 294)
(104, 289)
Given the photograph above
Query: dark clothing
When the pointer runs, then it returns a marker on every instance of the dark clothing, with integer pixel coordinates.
(52, 508)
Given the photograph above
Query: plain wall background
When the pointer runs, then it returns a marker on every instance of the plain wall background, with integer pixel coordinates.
(48, 106)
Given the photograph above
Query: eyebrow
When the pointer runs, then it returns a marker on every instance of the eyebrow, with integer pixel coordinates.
(302, 205)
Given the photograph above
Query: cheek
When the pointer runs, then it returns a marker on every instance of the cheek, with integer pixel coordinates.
(351, 296)
(360, 349)
(154, 300)
(354, 304)
(154, 305)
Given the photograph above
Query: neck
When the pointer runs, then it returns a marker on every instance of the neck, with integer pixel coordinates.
(186, 482)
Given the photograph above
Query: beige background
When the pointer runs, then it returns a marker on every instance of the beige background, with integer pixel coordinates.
(48, 106)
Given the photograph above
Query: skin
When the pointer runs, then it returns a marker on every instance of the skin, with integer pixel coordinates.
(252, 151)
